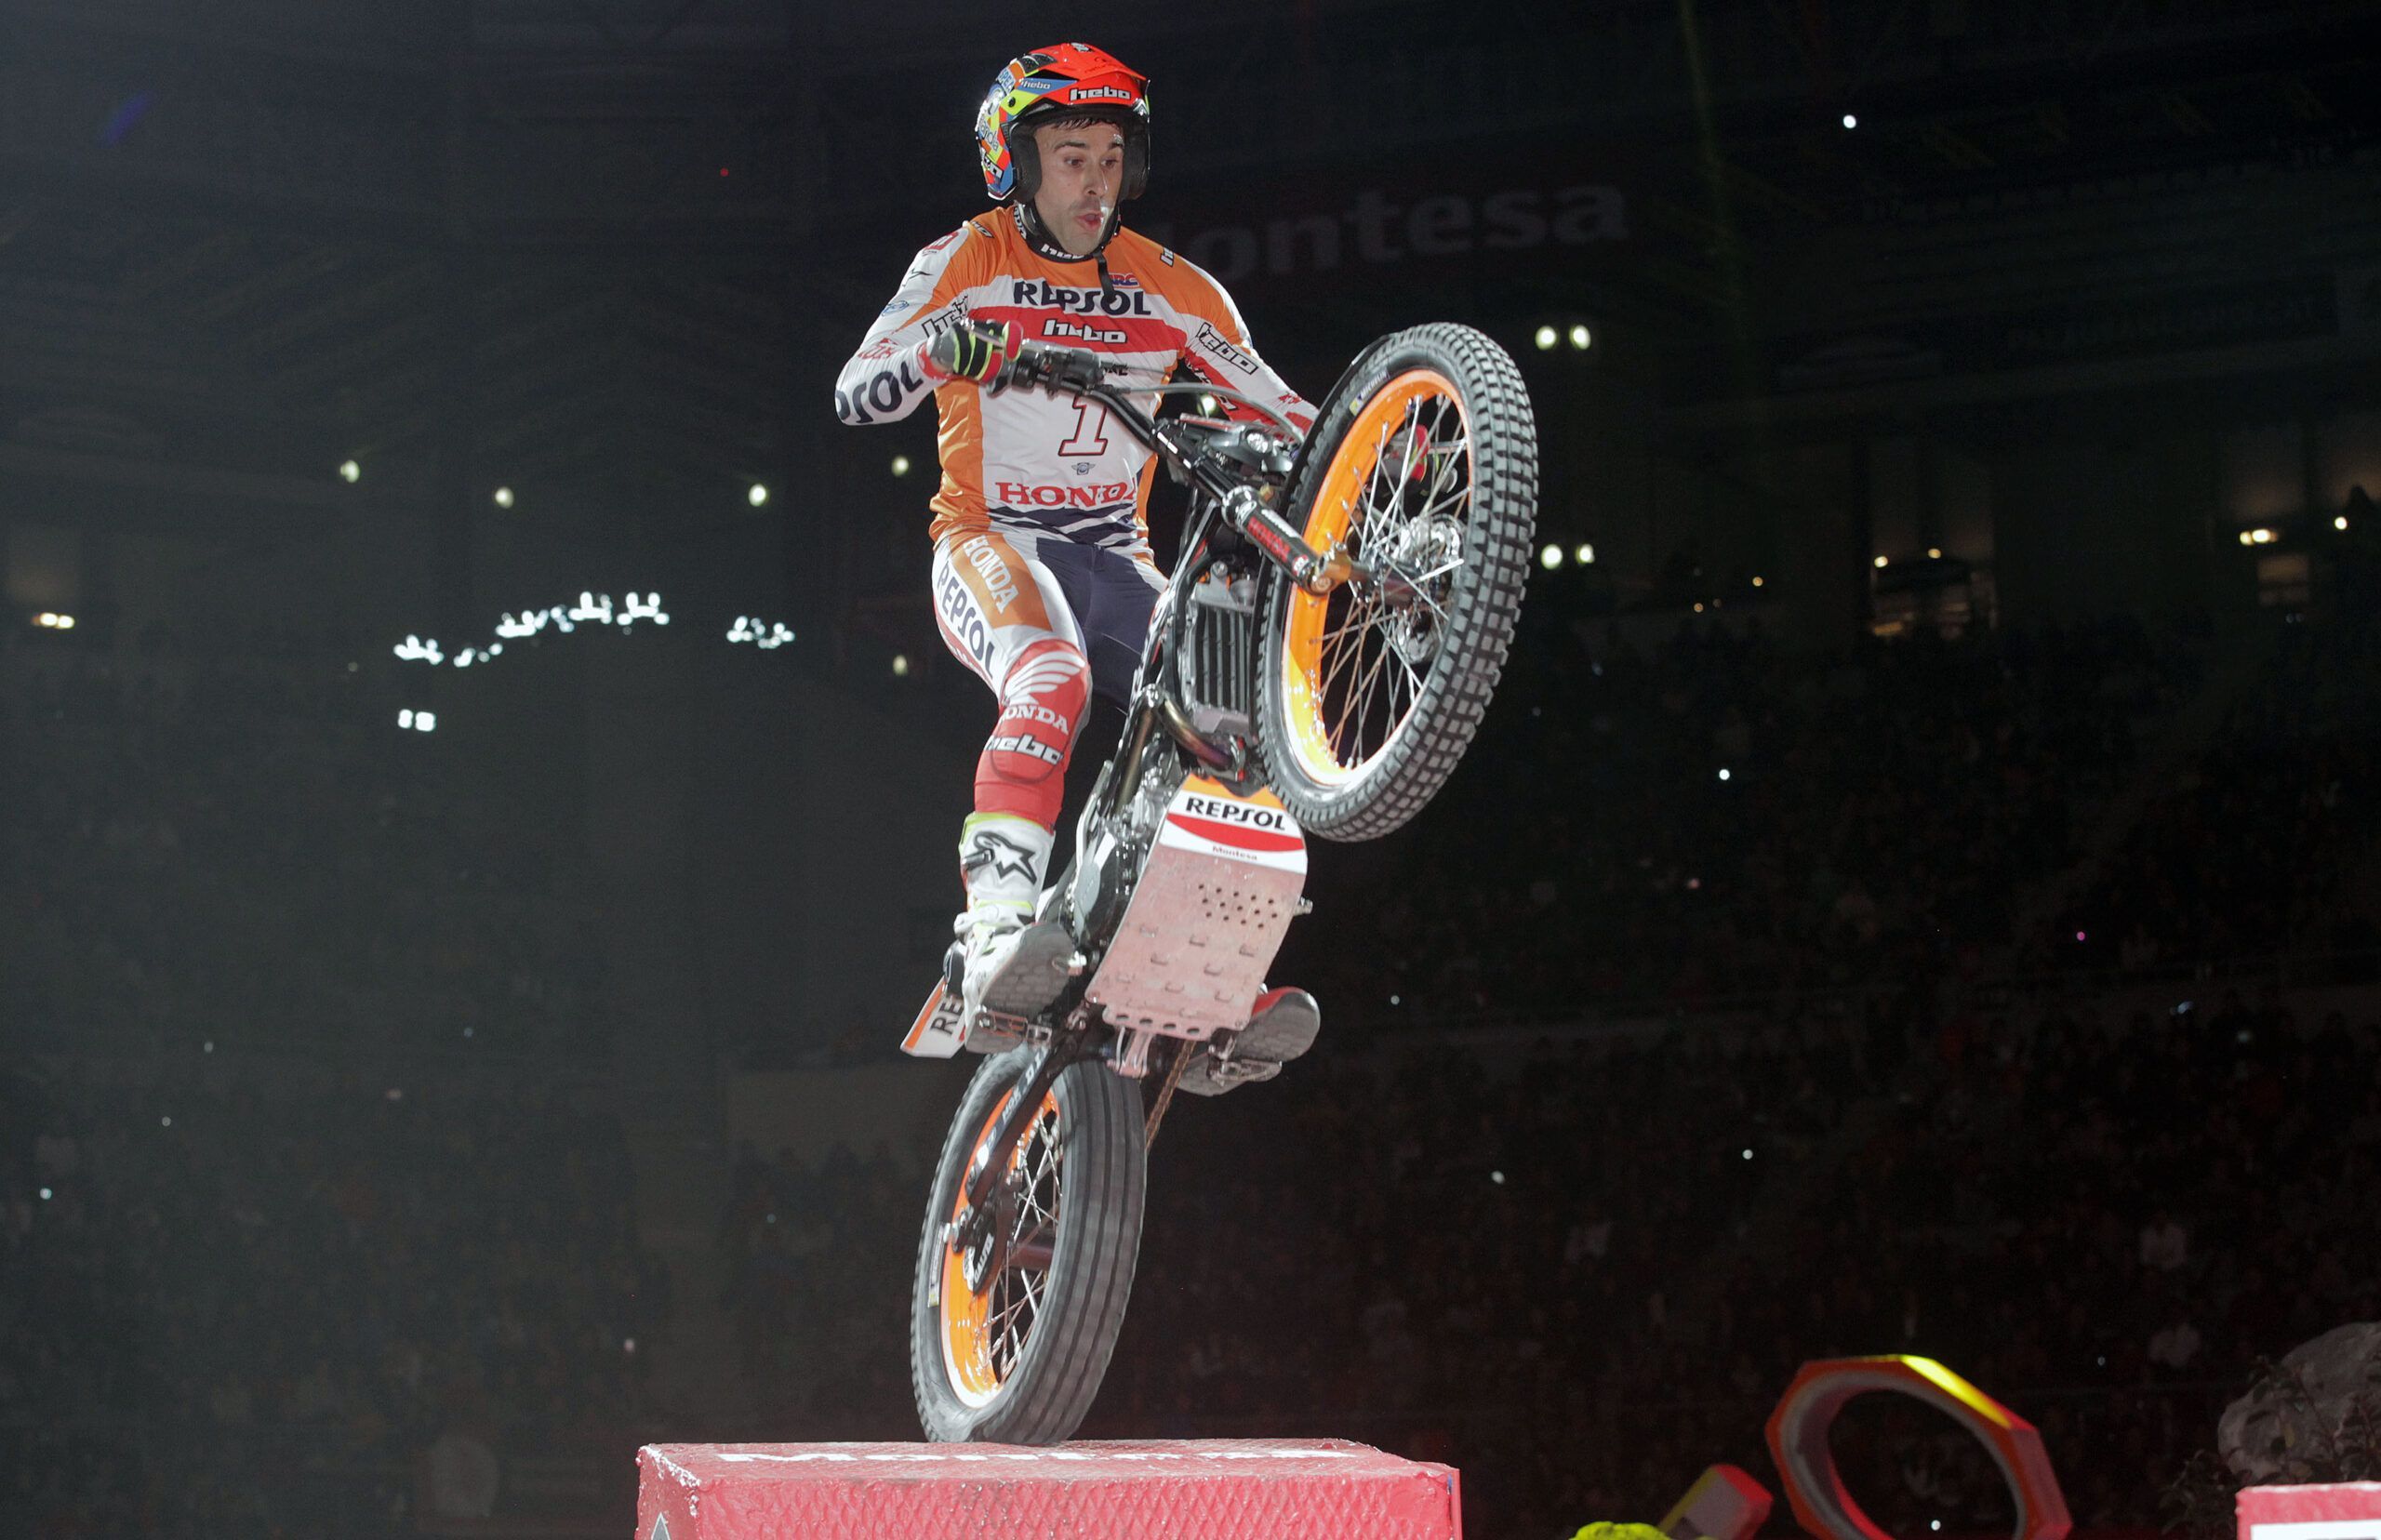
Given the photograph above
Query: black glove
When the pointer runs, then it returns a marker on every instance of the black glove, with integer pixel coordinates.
(971, 352)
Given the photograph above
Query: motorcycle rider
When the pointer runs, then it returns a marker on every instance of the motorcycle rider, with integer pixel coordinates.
(1042, 577)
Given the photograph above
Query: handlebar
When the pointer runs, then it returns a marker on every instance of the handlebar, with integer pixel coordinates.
(1223, 471)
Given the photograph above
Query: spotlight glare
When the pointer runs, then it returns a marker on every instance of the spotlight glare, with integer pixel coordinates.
(2247, 538)
(504, 496)
(2340, 521)
(424, 722)
(1545, 338)
(1581, 336)
(405, 718)
(757, 494)
(1851, 120)
(900, 465)
(350, 471)
(1724, 772)
(1586, 555)
(1550, 558)
(1934, 554)
(900, 665)
(1756, 579)
(1881, 562)
(1206, 406)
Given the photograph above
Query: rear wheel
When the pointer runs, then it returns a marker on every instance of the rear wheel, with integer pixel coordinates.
(1009, 1338)
(1422, 468)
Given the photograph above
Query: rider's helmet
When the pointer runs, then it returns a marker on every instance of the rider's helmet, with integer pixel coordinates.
(1069, 80)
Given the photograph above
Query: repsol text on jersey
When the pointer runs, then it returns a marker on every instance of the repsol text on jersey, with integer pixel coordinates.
(1045, 294)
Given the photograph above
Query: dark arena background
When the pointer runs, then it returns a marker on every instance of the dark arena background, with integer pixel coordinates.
(478, 770)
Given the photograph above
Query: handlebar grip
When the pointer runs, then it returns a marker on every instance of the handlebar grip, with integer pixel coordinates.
(1055, 367)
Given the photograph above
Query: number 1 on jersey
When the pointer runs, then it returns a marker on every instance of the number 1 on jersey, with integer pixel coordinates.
(1091, 434)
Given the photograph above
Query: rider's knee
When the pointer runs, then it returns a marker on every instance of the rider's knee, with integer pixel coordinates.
(1042, 705)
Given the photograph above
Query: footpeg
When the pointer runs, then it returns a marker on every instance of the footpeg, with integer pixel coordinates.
(1284, 1027)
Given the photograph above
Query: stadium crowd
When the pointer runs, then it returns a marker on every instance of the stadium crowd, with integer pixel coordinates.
(1717, 816)
(1584, 1271)
(242, 1290)
(236, 845)
(1847, 1112)
(241, 1306)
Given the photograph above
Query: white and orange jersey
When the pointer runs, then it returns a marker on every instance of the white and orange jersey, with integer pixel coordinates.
(1026, 459)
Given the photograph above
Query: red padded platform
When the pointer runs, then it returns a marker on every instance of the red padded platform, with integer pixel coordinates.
(2343, 1510)
(1277, 1489)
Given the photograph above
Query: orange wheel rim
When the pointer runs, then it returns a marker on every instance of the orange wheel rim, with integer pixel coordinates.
(985, 1329)
(1405, 461)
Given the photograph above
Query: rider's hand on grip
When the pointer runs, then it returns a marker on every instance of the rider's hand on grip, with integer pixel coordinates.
(971, 352)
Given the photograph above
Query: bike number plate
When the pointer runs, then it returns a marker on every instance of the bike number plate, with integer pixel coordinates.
(936, 1033)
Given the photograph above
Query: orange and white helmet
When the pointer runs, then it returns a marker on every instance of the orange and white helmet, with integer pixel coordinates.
(1066, 79)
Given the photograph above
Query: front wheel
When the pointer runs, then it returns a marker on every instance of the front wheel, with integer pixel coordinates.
(1009, 1339)
(1422, 468)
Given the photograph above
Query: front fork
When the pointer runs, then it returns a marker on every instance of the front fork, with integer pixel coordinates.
(1269, 532)
(982, 1177)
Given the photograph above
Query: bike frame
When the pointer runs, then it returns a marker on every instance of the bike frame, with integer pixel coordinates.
(1230, 477)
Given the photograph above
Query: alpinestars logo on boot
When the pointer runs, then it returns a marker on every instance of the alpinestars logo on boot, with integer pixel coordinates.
(1007, 858)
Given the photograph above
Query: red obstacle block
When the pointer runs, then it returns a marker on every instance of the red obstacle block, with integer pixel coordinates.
(2338, 1510)
(1276, 1489)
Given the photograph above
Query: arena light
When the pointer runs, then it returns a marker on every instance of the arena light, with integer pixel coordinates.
(1851, 120)
(756, 495)
(504, 496)
(2262, 537)
(1724, 772)
(1581, 336)
(350, 473)
(900, 665)
(1934, 554)
(2245, 539)
(1550, 558)
(767, 638)
(900, 465)
(1546, 339)
(1206, 406)
(1881, 562)
(2340, 521)
(1586, 555)
(1756, 579)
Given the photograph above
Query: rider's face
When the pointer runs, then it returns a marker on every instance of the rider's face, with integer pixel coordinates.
(1082, 168)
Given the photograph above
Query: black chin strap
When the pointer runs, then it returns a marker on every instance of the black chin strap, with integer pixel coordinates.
(1037, 235)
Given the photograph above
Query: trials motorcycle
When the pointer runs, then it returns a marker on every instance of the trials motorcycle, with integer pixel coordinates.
(1320, 661)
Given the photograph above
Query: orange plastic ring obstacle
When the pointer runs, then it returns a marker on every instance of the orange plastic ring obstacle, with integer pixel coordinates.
(1798, 1439)
(967, 1336)
(1329, 519)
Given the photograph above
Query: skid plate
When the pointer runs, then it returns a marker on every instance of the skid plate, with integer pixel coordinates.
(1219, 888)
